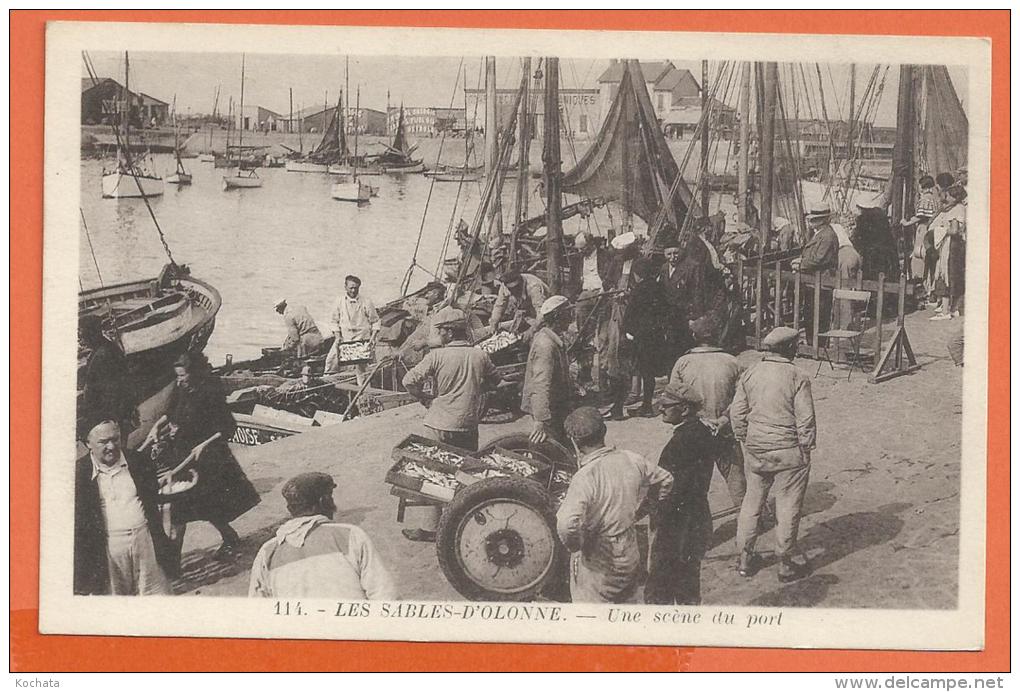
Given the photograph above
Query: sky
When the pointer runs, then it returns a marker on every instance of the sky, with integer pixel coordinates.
(425, 81)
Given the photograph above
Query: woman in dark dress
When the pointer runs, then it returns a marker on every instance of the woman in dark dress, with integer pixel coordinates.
(646, 326)
(198, 410)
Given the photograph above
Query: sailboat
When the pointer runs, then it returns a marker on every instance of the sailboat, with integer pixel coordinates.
(181, 175)
(129, 179)
(353, 190)
(332, 149)
(244, 177)
(397, 157)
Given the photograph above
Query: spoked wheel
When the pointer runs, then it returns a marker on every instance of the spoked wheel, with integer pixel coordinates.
(497, 540)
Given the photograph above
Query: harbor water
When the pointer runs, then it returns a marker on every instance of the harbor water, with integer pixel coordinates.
(288, 238)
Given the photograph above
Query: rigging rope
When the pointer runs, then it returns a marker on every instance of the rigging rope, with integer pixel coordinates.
(91, 249)
(421, 228)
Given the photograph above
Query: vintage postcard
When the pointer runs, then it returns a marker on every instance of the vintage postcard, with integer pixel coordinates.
(515, 336)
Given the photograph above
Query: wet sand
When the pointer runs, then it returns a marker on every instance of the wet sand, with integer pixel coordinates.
(881, 519)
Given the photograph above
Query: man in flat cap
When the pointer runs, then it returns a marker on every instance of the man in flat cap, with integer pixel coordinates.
(773, 416)
(303, 336)
(311, 556)
(682, 523)
(713, 374)
(518, 293)
(596, 519)
(547, 392)
(458, 376)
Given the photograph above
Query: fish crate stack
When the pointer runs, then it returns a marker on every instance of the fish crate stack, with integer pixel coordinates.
(438, 470)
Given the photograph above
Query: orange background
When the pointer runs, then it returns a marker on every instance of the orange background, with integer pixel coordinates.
(31, 651)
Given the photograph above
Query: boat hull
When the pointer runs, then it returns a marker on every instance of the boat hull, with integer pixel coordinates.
(179, 179)
(123, 185)
(151, 348)
(306, 167)
(206, 158)
(400, 170)
(349, 170)
(351, 192)
(231, 182)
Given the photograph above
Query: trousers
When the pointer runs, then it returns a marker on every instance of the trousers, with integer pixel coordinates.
(133, 567)
(788, 485)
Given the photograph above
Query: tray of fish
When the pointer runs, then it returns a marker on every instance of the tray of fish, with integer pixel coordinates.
(435, 455)
(515, 464)
(354, 352)
(422, 479)
(498, 342)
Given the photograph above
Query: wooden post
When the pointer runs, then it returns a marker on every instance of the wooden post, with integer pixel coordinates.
(796, 300)
(879, 305)
(779, 294)
(816, 318)
(745, 141)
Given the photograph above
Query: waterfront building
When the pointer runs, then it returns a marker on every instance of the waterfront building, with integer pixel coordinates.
(103, 99)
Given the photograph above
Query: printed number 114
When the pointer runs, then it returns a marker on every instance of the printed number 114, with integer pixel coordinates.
(286, 608)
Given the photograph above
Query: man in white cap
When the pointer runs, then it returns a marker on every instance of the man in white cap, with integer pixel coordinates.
(303, 336)
(773, 416)
(547, 391)
(596, 519)
(459, 375)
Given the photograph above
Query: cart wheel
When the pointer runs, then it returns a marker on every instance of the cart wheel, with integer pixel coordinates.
(550, 451)
(497, 542)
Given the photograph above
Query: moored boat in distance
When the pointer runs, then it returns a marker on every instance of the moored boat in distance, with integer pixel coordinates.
(206, 158)
(299, 166)
(179, 179)
(121, 183)
(413, 167)
(354, 191)
(242, 178)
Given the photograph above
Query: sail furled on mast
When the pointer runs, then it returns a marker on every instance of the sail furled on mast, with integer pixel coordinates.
(630, 162)
(942, 138)
(333, 147)
(398, 152)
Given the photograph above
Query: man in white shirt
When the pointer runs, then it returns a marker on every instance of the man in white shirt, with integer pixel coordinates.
(119, 544)
(354, 319)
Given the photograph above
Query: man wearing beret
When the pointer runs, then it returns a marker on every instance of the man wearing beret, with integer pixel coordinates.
(713, 374)
(547, 391)
(459, 375)
(311, 556)
(682, 522)
(119, 544)
(773, 416)
(596, 519)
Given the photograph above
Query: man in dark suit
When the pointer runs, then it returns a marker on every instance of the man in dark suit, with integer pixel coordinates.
(119, 544)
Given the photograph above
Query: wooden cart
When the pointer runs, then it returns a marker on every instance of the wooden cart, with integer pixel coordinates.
(497, 533)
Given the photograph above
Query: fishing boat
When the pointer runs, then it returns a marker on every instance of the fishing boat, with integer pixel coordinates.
(332, 148)
(207, 158)
(397, 159)
(245, 176)
(181, 175)
(129, 179)
(352, 190)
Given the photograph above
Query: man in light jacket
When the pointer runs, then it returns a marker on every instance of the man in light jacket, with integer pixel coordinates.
(773, 416)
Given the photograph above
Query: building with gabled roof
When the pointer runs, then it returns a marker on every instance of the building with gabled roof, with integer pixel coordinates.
(103, 99)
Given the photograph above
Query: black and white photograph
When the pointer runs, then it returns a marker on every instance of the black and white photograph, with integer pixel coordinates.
(515, 336)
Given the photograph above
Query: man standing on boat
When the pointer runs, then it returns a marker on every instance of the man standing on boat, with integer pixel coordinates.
(303, 336)
(459, 375)
(354, 319)
(518, 293)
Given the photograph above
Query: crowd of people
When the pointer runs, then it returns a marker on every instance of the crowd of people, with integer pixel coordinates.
(634, 320)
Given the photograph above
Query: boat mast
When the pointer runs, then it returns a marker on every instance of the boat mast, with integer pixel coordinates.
(704, 138)
(240, 117)
(743, 160)
(850, 118)
(177, 144)
(357, 111)
(903, 149)
(347, 90)
(523, 150)
(768, 133)
(126, 117)
(491, 140)
(551, 159)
